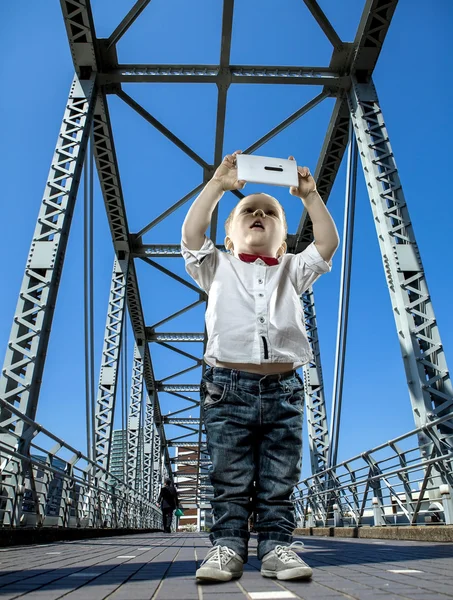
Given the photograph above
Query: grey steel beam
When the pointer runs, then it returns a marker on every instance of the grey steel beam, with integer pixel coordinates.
(324, 23)
(326, 170)
(373, 27)
(169, 211)
(194, 476)
(181, 421)
(88, 285)
(195, 403)
(343, 308)
(176, 314)
(79, 24)
(135, 424)
(429, 383)
(148, 449)
(157, 463)
(162, 269)
(197, 361)
(182, 371)
(224, 75)
(139, 475)
(190, 461)
(318, 434)
(108, 378)
(161, 128)
(222, 92)
(20, 380)
(109, 178)
(174, 337)
(284, 124)
(179, 387)
(163, 251)
(131, 16)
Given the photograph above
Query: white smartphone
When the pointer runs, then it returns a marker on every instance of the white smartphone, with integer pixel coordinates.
(263, 169)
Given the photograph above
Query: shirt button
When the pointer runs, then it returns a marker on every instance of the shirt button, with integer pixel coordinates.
(260, 281)
(260, 295)
(262, 319)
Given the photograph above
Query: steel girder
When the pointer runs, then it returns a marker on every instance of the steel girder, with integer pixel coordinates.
(25, 356)
(135, 424)
(148, 433)
(318, 435)
(428, 378)
(157, 465)
(20, 380)
(223, 75)
(108, 378)
(343, 307)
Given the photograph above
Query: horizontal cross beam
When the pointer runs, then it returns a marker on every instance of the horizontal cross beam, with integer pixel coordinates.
(223, 75)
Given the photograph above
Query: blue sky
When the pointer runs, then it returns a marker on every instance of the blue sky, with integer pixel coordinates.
(36, 70)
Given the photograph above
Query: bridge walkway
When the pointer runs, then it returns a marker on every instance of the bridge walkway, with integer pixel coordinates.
(159, 566)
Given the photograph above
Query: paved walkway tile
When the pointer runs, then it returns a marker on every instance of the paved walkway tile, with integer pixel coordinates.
(162, 567)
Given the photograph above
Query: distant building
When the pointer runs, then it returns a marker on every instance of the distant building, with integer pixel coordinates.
(118, 453)
(186, 482)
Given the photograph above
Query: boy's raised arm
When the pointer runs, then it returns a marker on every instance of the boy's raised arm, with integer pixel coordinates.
(324, 229)
(200, 213)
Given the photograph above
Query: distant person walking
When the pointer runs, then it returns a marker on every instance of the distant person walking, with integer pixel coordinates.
(168, 501)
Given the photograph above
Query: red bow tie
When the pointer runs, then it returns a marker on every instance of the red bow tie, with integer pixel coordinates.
(269, 260)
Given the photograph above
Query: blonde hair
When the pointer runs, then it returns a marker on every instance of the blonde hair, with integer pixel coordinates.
(231, 215)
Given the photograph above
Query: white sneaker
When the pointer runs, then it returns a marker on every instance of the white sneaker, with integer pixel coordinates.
(283, 563)
(221, 564)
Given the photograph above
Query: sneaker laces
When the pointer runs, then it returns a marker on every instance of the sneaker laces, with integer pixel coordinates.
(287, 554)
(219, 555)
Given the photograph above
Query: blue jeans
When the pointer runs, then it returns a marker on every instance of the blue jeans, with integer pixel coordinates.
(254, 436)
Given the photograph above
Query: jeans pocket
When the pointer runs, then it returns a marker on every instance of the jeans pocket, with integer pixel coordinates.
(292, 391)
(211, 393)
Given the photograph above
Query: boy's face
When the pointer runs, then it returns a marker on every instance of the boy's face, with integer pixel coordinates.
(246, 236)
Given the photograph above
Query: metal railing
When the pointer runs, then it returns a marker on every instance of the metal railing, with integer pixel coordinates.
(391, 484)
(55, 485)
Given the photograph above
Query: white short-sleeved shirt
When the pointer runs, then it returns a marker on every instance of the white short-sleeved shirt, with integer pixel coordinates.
(254, 313)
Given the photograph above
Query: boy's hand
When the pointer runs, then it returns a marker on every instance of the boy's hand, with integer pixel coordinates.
(306, 183)
(227, 174)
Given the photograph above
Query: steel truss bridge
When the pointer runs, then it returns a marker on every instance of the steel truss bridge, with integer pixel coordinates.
(375, 487)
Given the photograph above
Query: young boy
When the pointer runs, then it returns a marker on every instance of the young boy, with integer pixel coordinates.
(251, 395)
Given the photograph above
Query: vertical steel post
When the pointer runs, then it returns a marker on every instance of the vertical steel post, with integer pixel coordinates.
(106, 396)
(343, 307)
(148, 450)
(428, 378)
(134, 422)
(318, 435)
(157, 465)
